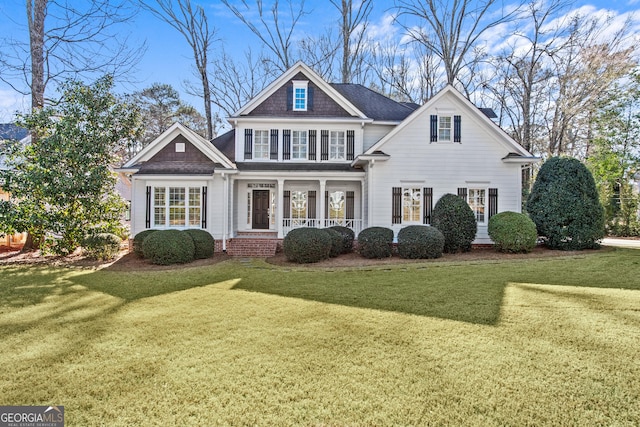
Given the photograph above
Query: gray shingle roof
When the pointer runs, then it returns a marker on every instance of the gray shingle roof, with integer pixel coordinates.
(373, 104)
(226, 143)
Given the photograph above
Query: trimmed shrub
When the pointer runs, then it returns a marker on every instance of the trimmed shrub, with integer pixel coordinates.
(348, 236)
(565, 206)
(336, 242)
(456, 221)
(512, 232)
(102, 246)
(166, 247)
(420, 242)
(138, 239)
(306, 245)
(375, 242)
(203, 242)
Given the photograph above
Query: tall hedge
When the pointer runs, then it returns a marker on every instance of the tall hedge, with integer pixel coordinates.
(375, 242)
(565, 207)
(456, 221)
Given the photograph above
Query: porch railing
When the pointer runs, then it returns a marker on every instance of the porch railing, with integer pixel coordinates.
(291, 223)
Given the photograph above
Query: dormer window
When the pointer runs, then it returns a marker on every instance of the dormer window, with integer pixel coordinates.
(300, 89)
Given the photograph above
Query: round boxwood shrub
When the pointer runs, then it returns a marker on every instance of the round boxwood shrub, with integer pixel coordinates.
(375, 242)
(348, 236)
(102, 246)
(456, 221)
(336, 242)
(166, 247)
(306, 245)
(138, 239)
(564, 205)
(512, 232)
(203, 242)
(420, 242)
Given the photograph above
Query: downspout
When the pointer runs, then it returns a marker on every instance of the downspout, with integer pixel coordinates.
(225, 217)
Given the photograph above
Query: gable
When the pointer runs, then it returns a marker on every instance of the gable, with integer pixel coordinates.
(466, 124)
(178, 147)
(277, 104)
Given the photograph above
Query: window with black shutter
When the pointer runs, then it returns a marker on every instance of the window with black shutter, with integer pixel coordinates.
(493, 202)
(147, 220)
(274, 145)
(286, 144)
(311, 204)
(350, 144)
(462, 192)
(312, 144)
(457, 128)
(427, 204)
(248, 143)
(396, 205)
(286, 204)
(324, 145)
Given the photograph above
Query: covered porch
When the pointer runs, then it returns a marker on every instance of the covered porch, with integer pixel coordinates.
(270, 207)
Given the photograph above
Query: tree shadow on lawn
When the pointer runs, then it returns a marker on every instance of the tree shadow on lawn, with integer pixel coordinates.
(410, 291)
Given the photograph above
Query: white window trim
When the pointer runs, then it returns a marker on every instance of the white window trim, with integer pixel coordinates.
(485, 205)
(343, 145)
(304, 85)
(450, 117)
(420, 202)
(167, 207)
(306, 144)
(255, 144)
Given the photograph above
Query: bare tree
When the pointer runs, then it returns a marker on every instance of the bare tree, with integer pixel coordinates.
(586, 65)
(68, 41)
(353, 28)
(275, 29)
(237, 81)
(452, 27)
(191, 21)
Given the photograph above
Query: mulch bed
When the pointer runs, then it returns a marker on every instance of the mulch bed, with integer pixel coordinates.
(131, 262)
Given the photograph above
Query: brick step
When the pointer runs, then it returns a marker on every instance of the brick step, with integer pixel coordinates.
(252, 247)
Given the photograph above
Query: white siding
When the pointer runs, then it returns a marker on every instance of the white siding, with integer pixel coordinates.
(473, 163)
(374, 133)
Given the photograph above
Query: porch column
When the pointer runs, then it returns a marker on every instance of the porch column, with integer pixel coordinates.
(323, 186)
(280, 209)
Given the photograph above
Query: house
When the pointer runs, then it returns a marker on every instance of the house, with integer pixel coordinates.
(306, 153)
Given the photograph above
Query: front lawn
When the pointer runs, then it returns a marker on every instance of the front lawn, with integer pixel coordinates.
(549, 341)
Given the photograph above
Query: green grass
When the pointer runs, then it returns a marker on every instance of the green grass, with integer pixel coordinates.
(526, 342)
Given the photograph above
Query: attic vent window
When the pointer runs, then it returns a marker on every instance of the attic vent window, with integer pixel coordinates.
(180, 147)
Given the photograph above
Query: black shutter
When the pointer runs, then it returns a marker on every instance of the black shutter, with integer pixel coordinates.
(311, 204)
(312, 144)
(324, 145)
(350, 145)
(290, 97)
(493, 202)
(286, 144)
(274, 144)
(457, 128)
(204, 207)
(310, 99)
(427, 204)
(350, 205)
(462, 192)
(286, 204)
(248, 143)
(434, 128)
(326, 205)
(396, 205)
(147, 220)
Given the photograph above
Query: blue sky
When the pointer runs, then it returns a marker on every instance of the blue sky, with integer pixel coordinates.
(168, 60)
